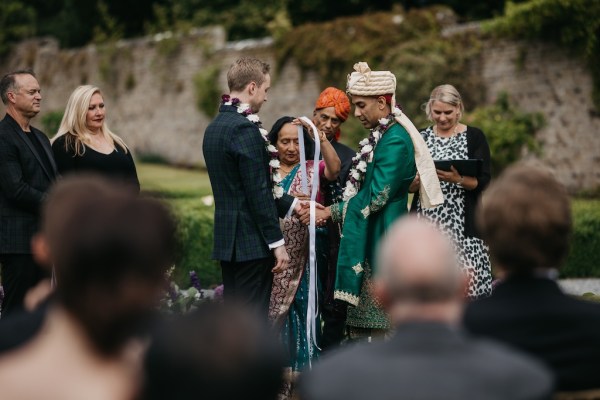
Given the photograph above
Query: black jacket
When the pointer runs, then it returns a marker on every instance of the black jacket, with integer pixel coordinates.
(24, 182)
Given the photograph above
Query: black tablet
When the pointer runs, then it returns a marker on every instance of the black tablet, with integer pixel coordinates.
(464, 167)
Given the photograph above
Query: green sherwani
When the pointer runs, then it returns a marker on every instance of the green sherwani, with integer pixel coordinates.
(366, 217)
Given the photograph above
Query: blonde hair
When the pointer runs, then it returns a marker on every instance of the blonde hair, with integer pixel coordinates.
(446, 94)
(73, 125)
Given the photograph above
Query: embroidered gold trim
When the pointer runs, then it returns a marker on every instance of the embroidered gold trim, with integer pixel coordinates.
(381, 200)
(366, 212)
(347, 297)
(358, 268)
(335, 212)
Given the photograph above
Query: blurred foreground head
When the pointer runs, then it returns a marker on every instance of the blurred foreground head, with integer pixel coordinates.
(219, 351)
(418, 276)
(110, 249)
(525, 218)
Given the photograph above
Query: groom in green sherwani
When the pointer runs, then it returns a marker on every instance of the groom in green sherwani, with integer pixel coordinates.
(376, 193)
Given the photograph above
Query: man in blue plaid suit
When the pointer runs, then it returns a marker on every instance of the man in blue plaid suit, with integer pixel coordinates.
(27, 170)
(247, 237)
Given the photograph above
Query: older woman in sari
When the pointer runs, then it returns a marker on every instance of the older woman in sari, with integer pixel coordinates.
(289, 307)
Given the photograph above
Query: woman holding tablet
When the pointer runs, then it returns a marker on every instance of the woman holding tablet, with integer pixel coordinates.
(449, 139)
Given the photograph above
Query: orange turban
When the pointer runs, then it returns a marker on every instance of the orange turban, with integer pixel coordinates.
(332, 97)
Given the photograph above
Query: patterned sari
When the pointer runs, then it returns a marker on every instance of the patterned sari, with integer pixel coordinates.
(289, 297)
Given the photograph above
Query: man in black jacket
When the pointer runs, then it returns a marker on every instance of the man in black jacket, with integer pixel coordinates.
(27, 170)
(526, 220)
(429, 356)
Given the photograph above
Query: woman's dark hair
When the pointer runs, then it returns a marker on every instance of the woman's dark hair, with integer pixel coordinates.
(309, 146)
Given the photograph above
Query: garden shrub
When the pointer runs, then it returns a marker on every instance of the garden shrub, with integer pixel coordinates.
(206, 83)
(196, 242)
(507, 130)
(51, 122)
(584, 257)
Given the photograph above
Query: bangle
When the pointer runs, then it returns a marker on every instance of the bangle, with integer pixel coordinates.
(460, 182)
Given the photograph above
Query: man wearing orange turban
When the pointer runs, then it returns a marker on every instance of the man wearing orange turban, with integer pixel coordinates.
(331, 110)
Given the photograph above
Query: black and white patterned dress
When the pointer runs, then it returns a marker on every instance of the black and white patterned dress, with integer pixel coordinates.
(472, 252)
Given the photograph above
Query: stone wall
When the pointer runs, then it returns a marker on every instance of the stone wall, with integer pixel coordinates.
(149, 89)
(543, 78)
(151, 97)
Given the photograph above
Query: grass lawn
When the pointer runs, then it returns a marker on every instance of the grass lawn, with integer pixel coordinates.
(172, 183)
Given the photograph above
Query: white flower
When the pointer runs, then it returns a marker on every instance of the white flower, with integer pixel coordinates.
(274, 163)
(349, 192)
(366, 149)
(363, 142)
(253, 118)
(355, 175)
(362, 166)
(397, 112)
(207, 200)
(264, 133)
(384, 121)
(242, 108)
(356, 157)
(276, 177)
(278, 191)
(376, 135)
(197, 296)
(271, 149)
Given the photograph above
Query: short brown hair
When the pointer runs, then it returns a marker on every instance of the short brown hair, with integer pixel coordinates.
(245, 70)
(526, 219)
(8, 82)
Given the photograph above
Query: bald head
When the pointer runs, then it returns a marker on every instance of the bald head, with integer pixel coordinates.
(417, 264)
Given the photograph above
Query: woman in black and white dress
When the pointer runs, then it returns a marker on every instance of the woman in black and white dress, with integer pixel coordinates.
(84, 143)
(449, 139)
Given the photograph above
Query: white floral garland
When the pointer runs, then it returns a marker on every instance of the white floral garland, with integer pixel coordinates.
(274, 164)
(365, 155)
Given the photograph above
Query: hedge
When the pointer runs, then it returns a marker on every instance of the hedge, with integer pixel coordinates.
(196, 222)
(196, 242)
(584, 258)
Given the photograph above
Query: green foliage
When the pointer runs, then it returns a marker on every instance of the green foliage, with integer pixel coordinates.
(196, 238)
(507, 130)
(407, 43)
(51, 122)
(108, 30)
(17, 21)
(186, 191)
(573, 24)
(584, 257)
(206, 83)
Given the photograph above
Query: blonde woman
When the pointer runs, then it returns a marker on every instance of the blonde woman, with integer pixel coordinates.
(84, 143)
(450, 139)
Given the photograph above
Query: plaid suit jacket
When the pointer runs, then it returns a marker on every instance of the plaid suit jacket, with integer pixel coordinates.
(246, 215)
(24, 182)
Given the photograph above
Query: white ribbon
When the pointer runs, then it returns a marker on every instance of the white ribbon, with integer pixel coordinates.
(311, 314)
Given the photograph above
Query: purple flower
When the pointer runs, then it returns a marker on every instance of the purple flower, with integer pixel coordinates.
(218, 294)
(235, 101)
(195, 280)
(225, 98)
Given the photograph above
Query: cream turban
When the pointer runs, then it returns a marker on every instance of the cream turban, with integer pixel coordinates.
(364, 82)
